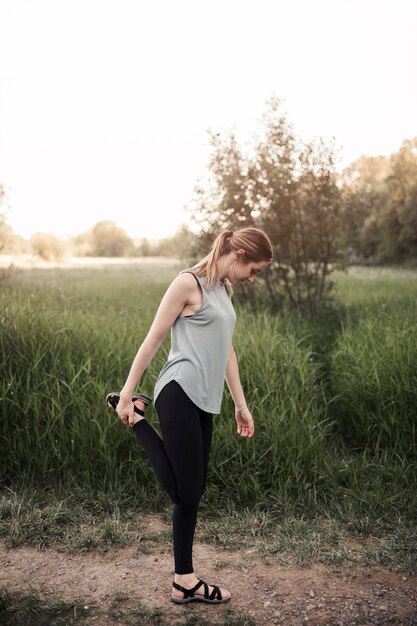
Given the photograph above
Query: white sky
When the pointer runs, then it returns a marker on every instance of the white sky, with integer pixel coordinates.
(104, 104)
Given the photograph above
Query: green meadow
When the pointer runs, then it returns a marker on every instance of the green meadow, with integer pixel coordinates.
(334, 398)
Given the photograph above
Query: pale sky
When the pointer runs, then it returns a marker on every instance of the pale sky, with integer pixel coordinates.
(105, 104)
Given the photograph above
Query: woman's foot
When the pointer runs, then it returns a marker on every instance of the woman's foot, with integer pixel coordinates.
(137, 417)
(140, 402)
(204, 593)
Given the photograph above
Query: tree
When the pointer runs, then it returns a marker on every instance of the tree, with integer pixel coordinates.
(400, 215)
(409, 222)
(181, 245)
(379, 196)
(288, 188)
(105, 239)
(48, 247)
(10, 243)
(5, 230)
(364, 197)
(144, 248)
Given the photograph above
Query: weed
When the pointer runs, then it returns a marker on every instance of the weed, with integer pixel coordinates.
(30, 610)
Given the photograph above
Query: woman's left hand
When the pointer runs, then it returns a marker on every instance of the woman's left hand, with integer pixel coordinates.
(244, 420)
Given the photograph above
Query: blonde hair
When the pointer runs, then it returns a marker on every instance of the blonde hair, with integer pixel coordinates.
(254, 241)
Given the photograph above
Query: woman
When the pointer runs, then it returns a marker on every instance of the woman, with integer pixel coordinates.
(197, 308)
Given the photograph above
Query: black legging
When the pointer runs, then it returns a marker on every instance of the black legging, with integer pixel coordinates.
(180, 461)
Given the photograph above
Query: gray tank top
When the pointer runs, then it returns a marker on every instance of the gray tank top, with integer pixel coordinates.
(200, 346)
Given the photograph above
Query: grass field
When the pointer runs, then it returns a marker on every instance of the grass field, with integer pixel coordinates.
(334, 400)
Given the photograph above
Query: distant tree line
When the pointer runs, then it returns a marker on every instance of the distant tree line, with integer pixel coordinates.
(105, 239)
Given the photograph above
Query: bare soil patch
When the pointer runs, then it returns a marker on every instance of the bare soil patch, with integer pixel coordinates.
(269, 592)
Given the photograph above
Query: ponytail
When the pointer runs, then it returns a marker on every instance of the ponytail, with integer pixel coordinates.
(253, 241)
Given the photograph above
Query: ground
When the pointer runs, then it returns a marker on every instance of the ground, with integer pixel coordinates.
(132, 586)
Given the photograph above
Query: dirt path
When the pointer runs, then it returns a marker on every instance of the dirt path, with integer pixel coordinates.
(269, 593)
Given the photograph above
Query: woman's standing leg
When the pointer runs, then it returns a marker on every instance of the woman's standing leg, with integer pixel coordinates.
(186, 432)
(180, 461)
(184, 518)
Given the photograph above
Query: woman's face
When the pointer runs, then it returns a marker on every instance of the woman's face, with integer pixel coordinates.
(240, 271)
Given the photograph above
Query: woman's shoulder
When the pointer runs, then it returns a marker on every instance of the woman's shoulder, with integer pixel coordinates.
(186, 280)
(181, 289)
(190, 277)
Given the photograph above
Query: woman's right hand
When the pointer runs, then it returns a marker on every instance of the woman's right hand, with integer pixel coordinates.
(125, 410)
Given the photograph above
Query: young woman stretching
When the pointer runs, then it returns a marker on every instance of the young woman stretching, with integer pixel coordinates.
(197, 308)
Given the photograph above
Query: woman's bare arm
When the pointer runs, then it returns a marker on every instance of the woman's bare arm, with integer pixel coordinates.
(244, 420)
(181, 291)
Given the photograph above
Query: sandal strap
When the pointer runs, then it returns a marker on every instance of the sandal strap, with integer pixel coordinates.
(189, 593)
(216, 594)
(138, 410)
(144, 398)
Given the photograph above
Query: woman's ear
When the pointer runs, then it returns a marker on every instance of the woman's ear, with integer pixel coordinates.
(240, 254)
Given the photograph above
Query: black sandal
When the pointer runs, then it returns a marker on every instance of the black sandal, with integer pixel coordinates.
(113, 398)
(215, 597)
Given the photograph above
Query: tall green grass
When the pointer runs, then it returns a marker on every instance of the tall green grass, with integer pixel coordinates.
(334, 399)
